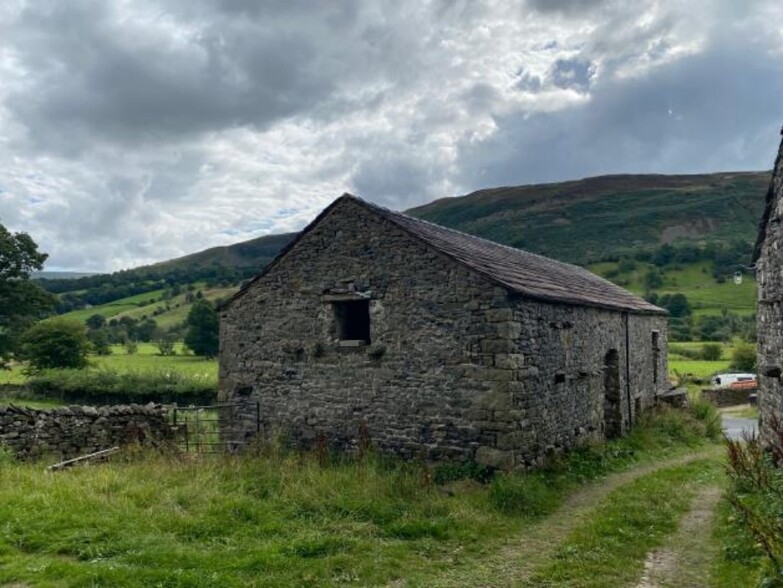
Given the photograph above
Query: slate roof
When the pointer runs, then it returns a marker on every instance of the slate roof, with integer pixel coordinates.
(519, 271)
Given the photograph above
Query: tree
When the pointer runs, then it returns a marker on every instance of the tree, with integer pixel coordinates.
(743, 358)
(653, 279)
(677, 304)
(96, 321)
(203, 326)
(22, 302)
(100, 341)
(56, 343)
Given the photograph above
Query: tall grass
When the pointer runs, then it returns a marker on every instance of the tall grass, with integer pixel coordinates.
(756, 497)
(274, 517)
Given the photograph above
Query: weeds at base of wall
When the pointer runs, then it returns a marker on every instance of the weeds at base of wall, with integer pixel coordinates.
(660, 432)
(756, 498)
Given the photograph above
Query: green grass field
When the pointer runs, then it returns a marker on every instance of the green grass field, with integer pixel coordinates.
(170, 313)
(147, 358)
(695, 281)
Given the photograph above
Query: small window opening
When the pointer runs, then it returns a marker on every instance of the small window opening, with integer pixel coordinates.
(353, 320)
(656, 349)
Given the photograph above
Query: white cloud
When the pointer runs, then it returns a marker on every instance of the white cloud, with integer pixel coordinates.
(136, 131)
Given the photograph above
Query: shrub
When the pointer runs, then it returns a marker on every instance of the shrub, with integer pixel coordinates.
(165, 347)
(711, 351)
(57, 343)
(743, 358)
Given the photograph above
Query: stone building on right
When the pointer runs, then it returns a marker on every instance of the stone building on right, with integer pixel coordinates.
(769, 274)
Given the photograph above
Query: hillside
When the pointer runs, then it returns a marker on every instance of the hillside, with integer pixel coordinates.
(595, 218)
(248, 254)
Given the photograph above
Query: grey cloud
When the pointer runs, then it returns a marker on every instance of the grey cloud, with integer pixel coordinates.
(528, 82)
(717, 110)
(572, 73)
(91, 79)
(568, 7)
(392, 180)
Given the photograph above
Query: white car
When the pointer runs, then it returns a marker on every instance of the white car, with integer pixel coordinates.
(734, 381)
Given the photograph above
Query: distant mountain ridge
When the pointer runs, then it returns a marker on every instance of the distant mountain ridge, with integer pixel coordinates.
(579, 221)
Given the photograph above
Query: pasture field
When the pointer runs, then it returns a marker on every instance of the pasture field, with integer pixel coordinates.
(695, 280)
(698, 368)
(166, 313)
(279, 518)
(116, 307)
(147, 358)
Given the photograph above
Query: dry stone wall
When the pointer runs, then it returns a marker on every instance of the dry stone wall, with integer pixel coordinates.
(77, 430)
(457, 368)
(721, 397)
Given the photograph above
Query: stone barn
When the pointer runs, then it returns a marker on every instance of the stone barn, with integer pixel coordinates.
(434, 344)
(769, 314)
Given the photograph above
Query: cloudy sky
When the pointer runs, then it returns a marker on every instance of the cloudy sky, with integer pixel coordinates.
(133, 131)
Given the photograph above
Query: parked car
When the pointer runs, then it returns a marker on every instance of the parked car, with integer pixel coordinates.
(734, 381)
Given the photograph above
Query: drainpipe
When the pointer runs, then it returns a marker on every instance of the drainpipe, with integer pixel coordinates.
(628, 369)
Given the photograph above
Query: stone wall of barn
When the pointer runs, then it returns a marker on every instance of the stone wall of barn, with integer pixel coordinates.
(71, 431)
(769, 318)
(455, 369)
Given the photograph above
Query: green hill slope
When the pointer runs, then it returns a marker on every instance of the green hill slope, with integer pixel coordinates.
(591, 219)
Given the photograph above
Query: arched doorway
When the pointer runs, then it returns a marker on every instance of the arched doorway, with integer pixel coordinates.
(613, 419)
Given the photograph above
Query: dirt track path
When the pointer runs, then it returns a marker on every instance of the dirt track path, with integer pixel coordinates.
(514, 563)
(683, 562)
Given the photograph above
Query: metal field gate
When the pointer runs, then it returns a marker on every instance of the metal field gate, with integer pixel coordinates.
(197, 429)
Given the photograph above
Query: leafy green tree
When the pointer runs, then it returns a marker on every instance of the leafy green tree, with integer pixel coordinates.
(100, 341)
(96, 321)
(203, 326)
(653, 279)
(677, 304)
(22, 302)
(56, 343)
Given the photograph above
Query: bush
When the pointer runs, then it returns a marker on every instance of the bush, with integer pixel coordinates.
(108, 387)
(57, 343)
(711, 352)
(743, 358)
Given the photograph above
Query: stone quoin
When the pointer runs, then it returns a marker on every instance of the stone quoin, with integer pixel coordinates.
(434, 344)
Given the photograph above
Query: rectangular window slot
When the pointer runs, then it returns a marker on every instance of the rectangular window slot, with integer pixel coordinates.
(656, 349)
(353, 322)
